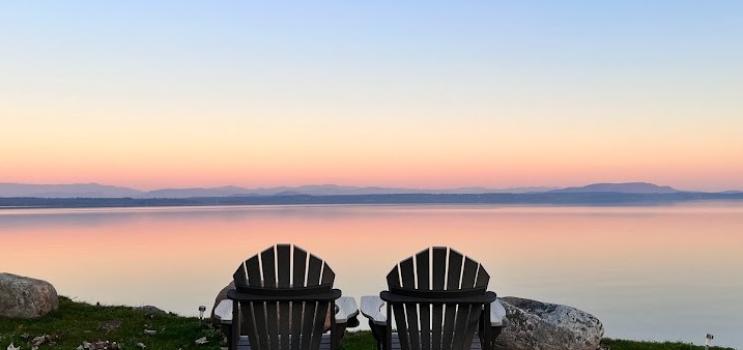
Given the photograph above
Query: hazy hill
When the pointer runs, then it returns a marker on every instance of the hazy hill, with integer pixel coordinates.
(91, 190)
(625, 187)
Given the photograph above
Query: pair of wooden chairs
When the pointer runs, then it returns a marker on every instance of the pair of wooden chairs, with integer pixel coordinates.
(284, 300)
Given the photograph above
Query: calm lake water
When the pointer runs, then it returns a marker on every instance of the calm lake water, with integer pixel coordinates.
(652, 272)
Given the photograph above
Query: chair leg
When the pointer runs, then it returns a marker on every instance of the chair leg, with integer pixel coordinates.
(234, 338)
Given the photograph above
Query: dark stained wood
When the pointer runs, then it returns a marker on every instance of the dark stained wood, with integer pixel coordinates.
(310, 309)
(393, 278)
(455, 268)
(257, 309)
(410, 317)
(328, 276)
(283, 258)
(252, 266)
(248, 312)
(422, 270)
(452, 283)
(402, 327)
(319, 322)
(297, 309)
(244, 343)
(272, 324)
(313, 271)
(300, 265)
(286, 324)
(438, 276)
(269, 267)
(240, 276)
(439, 268)
(482, 278)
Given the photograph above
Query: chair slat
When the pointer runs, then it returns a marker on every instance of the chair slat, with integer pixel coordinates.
(482, 277)
(317, 331)
(269, 267)
(313, 271)
(258, 309)
(272, 325)
(283, 258)
(328, 276)
(464, 316)
(240, 276)
(297, 309)
(300, 267)
(407, 273)
(438, 274)
(402, 327)
(393, 278)
(422, 270)
(253, 268)
(284, 318)
(475, 312)
(310, 309)
(438, 278)
(455, 270)
(469, 272)
(248, 314)
(452, 283)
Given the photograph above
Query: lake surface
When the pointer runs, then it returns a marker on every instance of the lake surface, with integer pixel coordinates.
(653, 272)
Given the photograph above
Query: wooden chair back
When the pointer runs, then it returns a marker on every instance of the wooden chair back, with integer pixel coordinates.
(293, 319)
(436, 289)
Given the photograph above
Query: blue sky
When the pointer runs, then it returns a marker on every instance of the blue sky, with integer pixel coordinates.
(584, 80)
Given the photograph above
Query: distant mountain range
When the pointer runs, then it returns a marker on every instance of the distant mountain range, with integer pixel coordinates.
(625, 187)
(94, 190)
(95, 195)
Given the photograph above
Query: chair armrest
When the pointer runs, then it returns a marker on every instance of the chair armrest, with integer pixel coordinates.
(497, 314)
(374, 308)
(346, 309)
(223, 311)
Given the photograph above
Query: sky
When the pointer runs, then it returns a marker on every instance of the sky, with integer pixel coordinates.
(389, 93)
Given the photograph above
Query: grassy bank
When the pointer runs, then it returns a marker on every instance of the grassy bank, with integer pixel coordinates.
(75, 323)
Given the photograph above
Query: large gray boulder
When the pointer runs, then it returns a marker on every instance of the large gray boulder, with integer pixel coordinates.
(534, 325)
(23, 297)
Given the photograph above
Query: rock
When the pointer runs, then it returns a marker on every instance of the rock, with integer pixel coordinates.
(151, 311)
(222, 295)
(13, 347)
(109, 326)
(141, 346)
(26, 298)
(201, 341)
(534, 325)
(150, 332)
(40, 340)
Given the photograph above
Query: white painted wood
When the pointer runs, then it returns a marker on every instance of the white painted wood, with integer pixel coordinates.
(374, 308)
(223, 311)
(346, 309)
(497, 314)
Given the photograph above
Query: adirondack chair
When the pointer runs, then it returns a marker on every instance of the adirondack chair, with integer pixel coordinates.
(282, 300)
(439, 300)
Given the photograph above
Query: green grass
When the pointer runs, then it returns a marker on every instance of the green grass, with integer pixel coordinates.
(76, 322)
(615, 344)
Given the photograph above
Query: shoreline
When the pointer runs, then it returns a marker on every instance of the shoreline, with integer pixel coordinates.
(76, 323)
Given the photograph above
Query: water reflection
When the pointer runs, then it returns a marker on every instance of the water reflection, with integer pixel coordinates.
(660, 272)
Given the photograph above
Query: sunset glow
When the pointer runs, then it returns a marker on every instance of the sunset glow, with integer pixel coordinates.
(389, 94)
